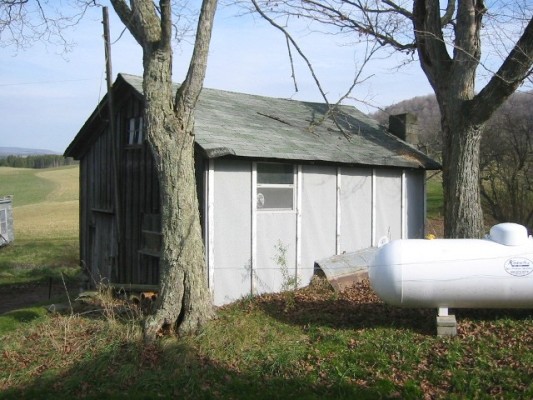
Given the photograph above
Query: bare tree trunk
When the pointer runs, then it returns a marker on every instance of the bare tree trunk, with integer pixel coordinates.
(185, 301)
(453, 80)
(462, 201)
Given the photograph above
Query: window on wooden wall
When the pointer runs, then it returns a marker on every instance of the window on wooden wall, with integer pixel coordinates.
(135, 131)
(275, 186)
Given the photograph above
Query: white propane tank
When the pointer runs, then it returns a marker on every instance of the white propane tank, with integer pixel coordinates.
(495, 272)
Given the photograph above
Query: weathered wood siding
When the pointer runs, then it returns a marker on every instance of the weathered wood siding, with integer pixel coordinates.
(134, 259)
(98, 245)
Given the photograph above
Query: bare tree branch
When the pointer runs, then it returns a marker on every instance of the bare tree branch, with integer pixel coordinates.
(450, 9)
(333, 110)
(514, 70)
(293, 74)
(293, 42)
(24, 22)
(191, 87)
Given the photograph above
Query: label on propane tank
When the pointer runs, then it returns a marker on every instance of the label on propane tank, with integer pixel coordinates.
(518, 266)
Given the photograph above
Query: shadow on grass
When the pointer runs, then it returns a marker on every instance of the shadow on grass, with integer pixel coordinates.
(11, 321)
(121, 368)
(133, 371)
(22, 315)
(343, 314)
(360, 308)
(346, 314)
(357, 307)
(492, 314)
(36, 293)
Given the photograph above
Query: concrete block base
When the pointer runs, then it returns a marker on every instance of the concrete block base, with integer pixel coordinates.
(446, 325)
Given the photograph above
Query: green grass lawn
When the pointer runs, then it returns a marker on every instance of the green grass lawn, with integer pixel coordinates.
(325, 345)
(25, 184)
(434, 197)
(45, 209)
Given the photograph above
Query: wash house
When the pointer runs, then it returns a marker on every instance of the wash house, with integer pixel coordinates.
(281, 184)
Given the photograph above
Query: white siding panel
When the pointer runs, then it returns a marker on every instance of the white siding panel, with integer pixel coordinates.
(232, 230)
(356, 209)
(319, 217)
(276, 250)
(388, 204)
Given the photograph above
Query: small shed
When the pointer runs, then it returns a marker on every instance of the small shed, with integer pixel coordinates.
(7, 231)
(281, 184)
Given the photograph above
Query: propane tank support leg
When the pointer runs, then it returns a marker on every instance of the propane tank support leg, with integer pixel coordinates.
(446, 324)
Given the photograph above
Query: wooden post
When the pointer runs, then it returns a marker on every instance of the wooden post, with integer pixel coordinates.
(115, 140)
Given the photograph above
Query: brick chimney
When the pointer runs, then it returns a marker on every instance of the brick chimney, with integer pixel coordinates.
(405, 127)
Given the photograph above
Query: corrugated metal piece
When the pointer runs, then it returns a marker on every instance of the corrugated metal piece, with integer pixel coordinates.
(343, 270)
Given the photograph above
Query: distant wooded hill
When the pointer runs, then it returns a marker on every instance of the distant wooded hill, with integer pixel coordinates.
(21, 151)
(517, 108)
(34, 160)
(506, 157)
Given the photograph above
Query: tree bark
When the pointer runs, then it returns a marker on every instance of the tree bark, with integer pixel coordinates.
(460, 159)
(184, 301)
(453, 79)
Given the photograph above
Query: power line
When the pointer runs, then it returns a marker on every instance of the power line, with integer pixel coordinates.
(47, 82)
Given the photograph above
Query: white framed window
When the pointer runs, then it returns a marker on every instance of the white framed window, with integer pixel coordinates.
(135, 130)
(275, 186)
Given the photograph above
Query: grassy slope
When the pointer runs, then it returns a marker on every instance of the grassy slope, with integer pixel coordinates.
(25, 185)
(46, 223)
(317, 345)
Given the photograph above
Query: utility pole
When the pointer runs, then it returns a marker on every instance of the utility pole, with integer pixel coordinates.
(115, 139)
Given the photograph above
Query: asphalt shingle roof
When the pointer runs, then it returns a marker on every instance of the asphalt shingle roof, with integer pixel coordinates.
(251, 126)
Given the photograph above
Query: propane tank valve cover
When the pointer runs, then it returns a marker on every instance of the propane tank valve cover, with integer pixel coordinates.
(509, 234)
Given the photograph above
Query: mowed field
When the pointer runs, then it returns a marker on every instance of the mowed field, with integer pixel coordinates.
(45, 209)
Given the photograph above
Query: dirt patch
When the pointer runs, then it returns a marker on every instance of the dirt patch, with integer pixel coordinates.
(14, 297)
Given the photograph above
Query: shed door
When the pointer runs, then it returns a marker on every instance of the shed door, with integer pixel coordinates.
(275, 229)
(103, 247)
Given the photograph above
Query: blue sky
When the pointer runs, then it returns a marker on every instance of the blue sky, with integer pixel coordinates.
(45, 97)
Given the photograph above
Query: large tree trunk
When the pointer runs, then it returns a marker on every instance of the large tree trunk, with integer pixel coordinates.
(184, 301)
(463, 215)
(453, 80)
(463, 112)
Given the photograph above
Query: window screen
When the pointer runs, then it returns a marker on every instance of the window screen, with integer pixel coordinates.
(275, 187)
